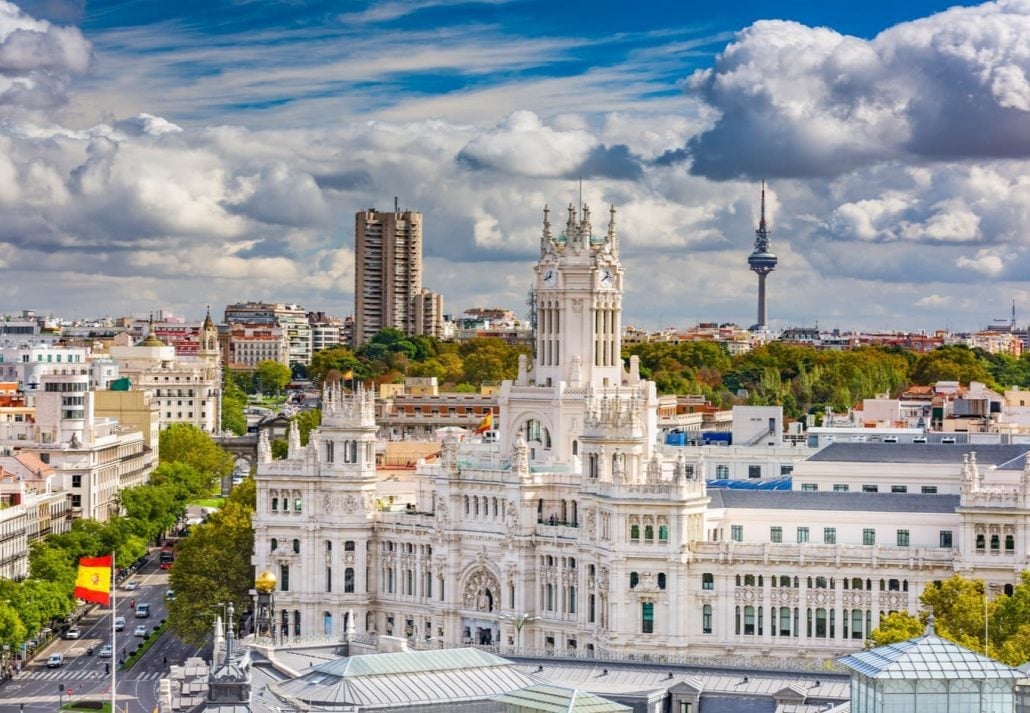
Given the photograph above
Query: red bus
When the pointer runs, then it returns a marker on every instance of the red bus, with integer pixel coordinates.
(167, 557)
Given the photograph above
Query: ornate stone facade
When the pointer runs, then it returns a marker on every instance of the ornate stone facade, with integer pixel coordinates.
(576, 532)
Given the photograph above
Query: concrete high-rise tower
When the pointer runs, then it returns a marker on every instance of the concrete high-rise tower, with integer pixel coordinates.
(762, 262)
(388, 274)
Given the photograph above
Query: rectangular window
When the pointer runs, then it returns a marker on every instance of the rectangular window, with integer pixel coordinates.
(284, 578)
(707, 581)
(902, 538)
(776, 533)
(868, 536)
(754, 471)
(899, 488)
(946, 539)
(802, 534)
(76, 481)
(76, 501)
(737, 533)
(840, 487)
(929, 490)
(870, 488)
(809, 487)
(647, 617)
(722, 471)
(829, 535)
(786, 469)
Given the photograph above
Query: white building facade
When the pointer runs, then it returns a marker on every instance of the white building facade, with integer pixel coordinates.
(577, 533)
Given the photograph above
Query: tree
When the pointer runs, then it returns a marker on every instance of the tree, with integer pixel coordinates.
(340, 359)
(234, 401)
(272, 376)
(957, 605)
(307, 421)
(212, 565)
(185, 443)
(12, 630)
(897, 626)
(951, 363)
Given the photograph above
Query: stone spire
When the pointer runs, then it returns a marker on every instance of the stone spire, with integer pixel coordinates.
(585, 229)
(264, 448)
(571, 231)
(613, 238)
(546, 239)
(294, 441)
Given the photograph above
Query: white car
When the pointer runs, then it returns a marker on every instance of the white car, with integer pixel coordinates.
(72, 633)
(140, 630)
(55, 661)
(119, 623)
(105, 651)
(131, 586)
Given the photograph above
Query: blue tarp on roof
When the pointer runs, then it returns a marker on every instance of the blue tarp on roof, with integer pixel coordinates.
(766, 484)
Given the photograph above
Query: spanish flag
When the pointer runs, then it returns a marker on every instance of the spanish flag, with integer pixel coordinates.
(347, 375)
(487, 423)
(93, 584)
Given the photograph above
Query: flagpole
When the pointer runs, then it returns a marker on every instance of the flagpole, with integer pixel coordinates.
(114, 642)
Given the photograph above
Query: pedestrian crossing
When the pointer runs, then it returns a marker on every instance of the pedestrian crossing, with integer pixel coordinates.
(87, 675)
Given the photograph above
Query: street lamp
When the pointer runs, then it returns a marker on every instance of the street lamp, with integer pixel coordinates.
(519, 621)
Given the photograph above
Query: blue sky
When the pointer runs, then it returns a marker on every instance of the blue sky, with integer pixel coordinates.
(175, 154)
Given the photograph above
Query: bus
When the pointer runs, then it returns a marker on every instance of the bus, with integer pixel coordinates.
(167, 557)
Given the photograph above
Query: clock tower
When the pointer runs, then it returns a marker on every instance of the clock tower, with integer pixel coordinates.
(578, 297)
(577, 362)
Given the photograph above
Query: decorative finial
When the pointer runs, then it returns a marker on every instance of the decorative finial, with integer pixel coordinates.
(547, 222)
(931, 630)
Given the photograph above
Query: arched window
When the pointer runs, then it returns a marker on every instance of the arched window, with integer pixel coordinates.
(749, 580)
(275, 544)
(995, 542)
(1010, 543)
(467, 511)
(297, 504)
(634, 532)
(980, 541)
(348, 546)
(575, 448)
(275, 504)
(296, 546)
(663, 533)
(634, 579)
(856, 583)
(649, 533)
(706, 619)
(661, 580)
(348, 580)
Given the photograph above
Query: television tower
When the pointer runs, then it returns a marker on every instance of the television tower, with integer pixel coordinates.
(762, 262)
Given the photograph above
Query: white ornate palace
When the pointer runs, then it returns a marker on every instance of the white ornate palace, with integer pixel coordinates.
(577, 532)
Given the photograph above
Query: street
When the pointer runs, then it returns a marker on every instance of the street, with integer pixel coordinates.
(37, 688)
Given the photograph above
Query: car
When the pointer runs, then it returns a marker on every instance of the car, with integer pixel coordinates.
(119, 623)
(106, 651)
(142, 611)
(140, 630)
(170, 594)
(131, 586)
(55, 661)
(73, 632)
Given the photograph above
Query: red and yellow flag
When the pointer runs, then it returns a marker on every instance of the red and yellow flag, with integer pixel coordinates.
(487, 423)
(93, 584)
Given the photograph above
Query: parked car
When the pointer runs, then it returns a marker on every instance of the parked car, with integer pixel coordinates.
(73, 632)
(140, 630)
(106, 651)
(55, 660)
(170, 594)
(119, 623)
(143, 611)
(131, 586)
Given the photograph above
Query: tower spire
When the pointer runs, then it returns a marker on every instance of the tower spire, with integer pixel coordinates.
(762, 261)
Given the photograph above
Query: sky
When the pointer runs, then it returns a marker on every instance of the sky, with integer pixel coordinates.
(173, 155)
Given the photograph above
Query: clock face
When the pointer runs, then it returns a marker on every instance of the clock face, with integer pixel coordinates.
(550, 277)
(607, 278)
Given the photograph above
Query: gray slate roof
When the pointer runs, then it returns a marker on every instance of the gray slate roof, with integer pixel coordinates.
(409, 677)
(804, 500)
(928, 657)
(1012, 456)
